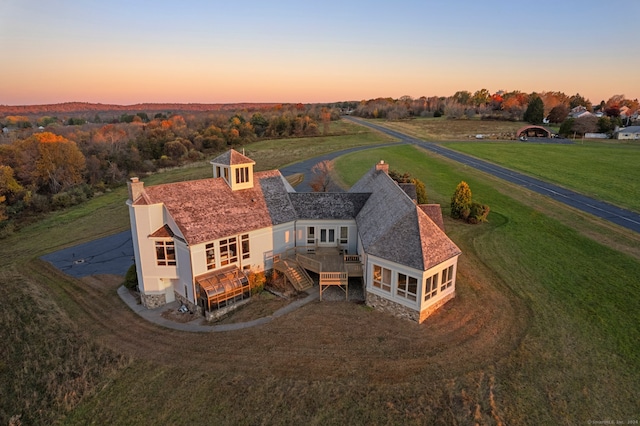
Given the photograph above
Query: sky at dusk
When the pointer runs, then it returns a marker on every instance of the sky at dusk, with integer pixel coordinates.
(126, 52)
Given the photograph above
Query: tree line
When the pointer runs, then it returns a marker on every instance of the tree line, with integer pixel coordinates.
(535, 108)
(68, 161)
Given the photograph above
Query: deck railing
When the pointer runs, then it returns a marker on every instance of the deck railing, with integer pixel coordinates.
(308, 263)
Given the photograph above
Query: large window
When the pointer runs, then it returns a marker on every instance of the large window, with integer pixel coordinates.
(382, 278)
(165, 253)
(447, 278)
(210, 253)
(245, 246)
(228, 251)
(431, 287)
(242, 174)
(407, 287)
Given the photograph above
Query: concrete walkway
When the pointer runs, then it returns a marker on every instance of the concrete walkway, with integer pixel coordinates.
(196, 326)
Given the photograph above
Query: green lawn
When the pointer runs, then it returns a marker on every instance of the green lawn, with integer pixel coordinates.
(583, 298)
(609, 172)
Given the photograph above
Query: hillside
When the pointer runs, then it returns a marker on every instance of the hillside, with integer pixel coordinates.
(69, 107)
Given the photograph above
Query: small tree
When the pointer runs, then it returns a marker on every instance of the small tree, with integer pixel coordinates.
(461, 201)
(131, 278)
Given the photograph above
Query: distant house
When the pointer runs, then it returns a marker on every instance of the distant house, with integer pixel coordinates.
(196, 241)
(631, 132)
(579, 111)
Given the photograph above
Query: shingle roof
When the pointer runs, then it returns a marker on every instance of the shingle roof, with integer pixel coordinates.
(232, 157)
(630, 129)
(327, 205)
(207, 209)
(434, 211)
(392, 227)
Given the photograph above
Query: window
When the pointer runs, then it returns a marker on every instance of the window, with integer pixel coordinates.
(431, 287)
(228, 251)
(344, 235)
(382, 278)
(210, 253)
(407, 287)
(165, 253)
(245, 246)
(447, 278)
(311, 235)
(226, 174)
(218, 172)
(242, 174)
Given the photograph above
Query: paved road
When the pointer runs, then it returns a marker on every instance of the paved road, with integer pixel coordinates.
(625, 218)
(305, 166)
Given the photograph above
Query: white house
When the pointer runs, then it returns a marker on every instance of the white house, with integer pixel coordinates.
(631, 132)
(195, 240)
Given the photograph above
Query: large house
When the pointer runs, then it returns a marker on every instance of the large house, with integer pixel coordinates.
(195, 241)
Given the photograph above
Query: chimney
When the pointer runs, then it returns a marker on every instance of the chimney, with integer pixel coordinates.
(136, 188)
(382, 166)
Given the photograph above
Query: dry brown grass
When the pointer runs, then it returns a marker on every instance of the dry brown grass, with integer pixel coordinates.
(443, 129)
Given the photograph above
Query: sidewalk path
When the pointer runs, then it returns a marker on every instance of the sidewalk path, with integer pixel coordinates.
(155, 315)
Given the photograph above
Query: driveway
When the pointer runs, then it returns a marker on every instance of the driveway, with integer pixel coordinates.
(108, 255)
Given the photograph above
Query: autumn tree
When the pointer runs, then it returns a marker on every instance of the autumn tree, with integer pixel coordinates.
(321, 176)
(481, 97)
(59, 165)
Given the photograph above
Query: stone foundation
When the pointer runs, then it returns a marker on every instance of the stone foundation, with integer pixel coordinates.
(401, 311)
(393, 308)
(152, 301)
(219, 313)
(433, 308)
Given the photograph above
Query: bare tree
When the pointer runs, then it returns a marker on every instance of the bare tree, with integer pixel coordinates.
(321, 176)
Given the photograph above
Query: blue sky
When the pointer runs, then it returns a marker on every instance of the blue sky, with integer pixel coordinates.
(124, 52)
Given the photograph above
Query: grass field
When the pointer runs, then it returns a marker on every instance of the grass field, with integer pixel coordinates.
(604, 171)
(443, 129)
(543, 330)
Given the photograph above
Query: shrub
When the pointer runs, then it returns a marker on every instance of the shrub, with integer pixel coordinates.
(478, 213)
(462, 207)
(131, 278)
(461, 201)
(256, 281)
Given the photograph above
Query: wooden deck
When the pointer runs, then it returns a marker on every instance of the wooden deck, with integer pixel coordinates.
(333, 267)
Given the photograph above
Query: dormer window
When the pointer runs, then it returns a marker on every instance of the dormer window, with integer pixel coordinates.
(235, 169)
(242, 174)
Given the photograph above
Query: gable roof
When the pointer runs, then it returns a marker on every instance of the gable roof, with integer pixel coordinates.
(392, 227)
(327, 205)
(207, 209)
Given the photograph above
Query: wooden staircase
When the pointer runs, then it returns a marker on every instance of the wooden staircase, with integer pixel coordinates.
(295, 273)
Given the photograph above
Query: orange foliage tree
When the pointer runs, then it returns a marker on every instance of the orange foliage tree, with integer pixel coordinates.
(59, 165)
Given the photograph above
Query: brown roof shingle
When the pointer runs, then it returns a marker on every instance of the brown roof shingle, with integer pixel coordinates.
(207, 209)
